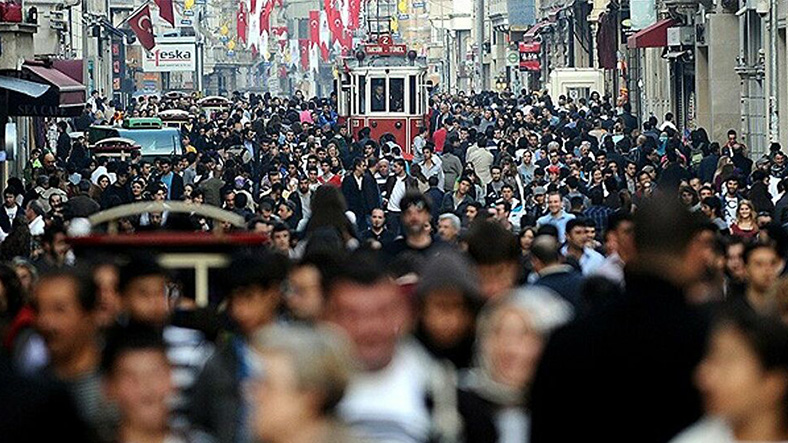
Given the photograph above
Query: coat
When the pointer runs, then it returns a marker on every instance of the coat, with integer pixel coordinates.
(5, 222)
(452, 170)
(216, 401)
(361, 201)
(781, 210)
(481, 159)
(624, 372)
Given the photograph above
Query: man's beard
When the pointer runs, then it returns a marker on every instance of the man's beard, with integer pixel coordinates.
(414, 228)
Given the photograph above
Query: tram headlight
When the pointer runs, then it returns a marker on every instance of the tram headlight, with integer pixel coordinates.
(412, 55)
(360, 56)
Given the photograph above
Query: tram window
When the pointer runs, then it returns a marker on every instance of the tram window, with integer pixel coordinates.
(362, 92)
(378, 94)
(397, 97)
(413, 94)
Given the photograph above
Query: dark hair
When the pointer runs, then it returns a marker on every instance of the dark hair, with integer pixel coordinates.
(491, 244)
(263, 269)
(415, 199)
(575, 222)
(13, 292)
(328, 211)
(715, 205)
(664, 226)
(752, 247)
(363, 267)
(85, 286)
(121, 340)
(138, 266)
(766, 335)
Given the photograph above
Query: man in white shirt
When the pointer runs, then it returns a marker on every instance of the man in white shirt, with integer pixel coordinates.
(368, 306)
(35, 217)
(557, 217)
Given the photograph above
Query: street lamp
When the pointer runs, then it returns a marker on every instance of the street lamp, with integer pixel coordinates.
(500, 84)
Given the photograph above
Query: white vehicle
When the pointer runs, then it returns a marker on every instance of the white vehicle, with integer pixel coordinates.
(576, 83)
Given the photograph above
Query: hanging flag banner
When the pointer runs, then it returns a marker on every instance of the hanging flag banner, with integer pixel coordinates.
(314, 58)
(354, 7)
(142, 27)
(241, 23)
(530, 55)
(325, 36)
(166, 11)
(265, 15)
(303, 49)
(314, 28)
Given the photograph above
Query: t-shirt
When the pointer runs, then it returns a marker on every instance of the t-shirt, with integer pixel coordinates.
(396, 195)
(729, 207)
(403, 416)
(559, 222)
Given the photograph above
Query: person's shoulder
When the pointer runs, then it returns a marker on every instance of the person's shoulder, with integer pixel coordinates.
(707, 430)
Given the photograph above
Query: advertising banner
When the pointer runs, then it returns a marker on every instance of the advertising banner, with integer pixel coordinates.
(170, 57)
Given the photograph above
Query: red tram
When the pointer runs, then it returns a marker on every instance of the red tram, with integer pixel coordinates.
(384, 88)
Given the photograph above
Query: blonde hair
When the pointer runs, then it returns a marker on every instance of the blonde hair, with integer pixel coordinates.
(321, 357)
(752, 211)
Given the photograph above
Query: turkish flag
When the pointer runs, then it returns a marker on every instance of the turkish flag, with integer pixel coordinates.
(141, 25)
(354, 7)
(336, 27)
(314, 28)
(303, 46)
(334, 19)
(346, 41)
(252, 6)
(166, 11)
(241, 22)
(265, 16)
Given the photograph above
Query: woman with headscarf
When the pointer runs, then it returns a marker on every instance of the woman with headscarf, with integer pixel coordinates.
(511, 334)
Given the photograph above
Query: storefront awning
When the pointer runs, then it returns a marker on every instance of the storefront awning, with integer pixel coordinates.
(28, 88)
(654, 36)
(71, 94)
(535, 30)
(62, 96)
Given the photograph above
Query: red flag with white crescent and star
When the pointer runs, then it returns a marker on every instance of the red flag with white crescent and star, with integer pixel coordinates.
(346, 41)
(314, 28)
(303, 45)
(166, 11)
(334, 19)
(353, 17)
(141, 25)
(265, 16)
(241, 23)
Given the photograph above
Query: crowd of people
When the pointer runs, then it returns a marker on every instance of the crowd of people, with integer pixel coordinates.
(526, 269)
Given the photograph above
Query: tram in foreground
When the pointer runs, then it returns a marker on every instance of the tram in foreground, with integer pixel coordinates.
(383, 87)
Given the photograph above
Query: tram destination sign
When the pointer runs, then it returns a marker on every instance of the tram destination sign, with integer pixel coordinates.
(378, 49)
(385, 46)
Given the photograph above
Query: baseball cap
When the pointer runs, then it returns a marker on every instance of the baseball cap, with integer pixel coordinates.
(540, 190)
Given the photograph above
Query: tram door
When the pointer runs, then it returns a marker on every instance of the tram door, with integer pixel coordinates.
(343, 87)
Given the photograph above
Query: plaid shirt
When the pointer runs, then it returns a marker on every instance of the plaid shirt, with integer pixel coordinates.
(599, 215)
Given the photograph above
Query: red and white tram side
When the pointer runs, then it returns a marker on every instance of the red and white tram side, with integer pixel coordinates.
(387, 94)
